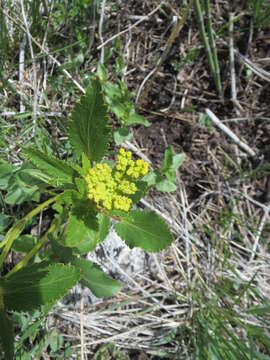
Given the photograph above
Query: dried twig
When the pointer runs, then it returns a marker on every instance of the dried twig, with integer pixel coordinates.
(82, 324)
(265, 75)
(21, 68)
(228, 132)
(259, 232)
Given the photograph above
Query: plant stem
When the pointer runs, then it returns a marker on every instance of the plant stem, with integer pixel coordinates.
(34, 251)
(205, 40)
(16, 230)
(213, 46)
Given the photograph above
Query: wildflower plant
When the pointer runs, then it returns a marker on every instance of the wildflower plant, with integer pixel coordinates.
(83, 195)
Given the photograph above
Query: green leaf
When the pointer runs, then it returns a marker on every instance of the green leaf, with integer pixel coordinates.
(101, 72)
(113, 92)
(96, 280)
(168, 159)
(6, 172)
(205, 122)
(86, 165)
(58, 252)
(66, 197)
(145, 230)
(160, 181)
(104, 226)
(166, 186)
(121, 135)
(59, 172)
(94, 237)
(27, 176)
(88, 130)
(18, 195)
(82, 187)
(171, 163)
(260, 310)
(38, 285)
(260, 356)
(4, 221)
(81, 225)
(75, 232)
(141, 190)
(136, 119)
(24, 243)
(120, 110)
(6, 335)
(152, 177)
(30, 330)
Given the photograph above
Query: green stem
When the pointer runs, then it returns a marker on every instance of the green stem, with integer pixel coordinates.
(213, 46)
(16, 230)
(34, 251)
(205, 39)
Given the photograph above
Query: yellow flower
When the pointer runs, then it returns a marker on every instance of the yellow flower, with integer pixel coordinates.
(108, 187)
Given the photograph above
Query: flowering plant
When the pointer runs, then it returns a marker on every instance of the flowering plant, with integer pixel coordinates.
(84, 195)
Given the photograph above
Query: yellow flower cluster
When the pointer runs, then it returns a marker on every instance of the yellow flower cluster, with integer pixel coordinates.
(108, 187)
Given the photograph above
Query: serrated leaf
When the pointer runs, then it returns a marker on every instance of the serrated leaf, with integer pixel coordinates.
(145, 230)
(88, 130)
(59, 172)
(38, 285)
(6, 335)
(96, 280)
